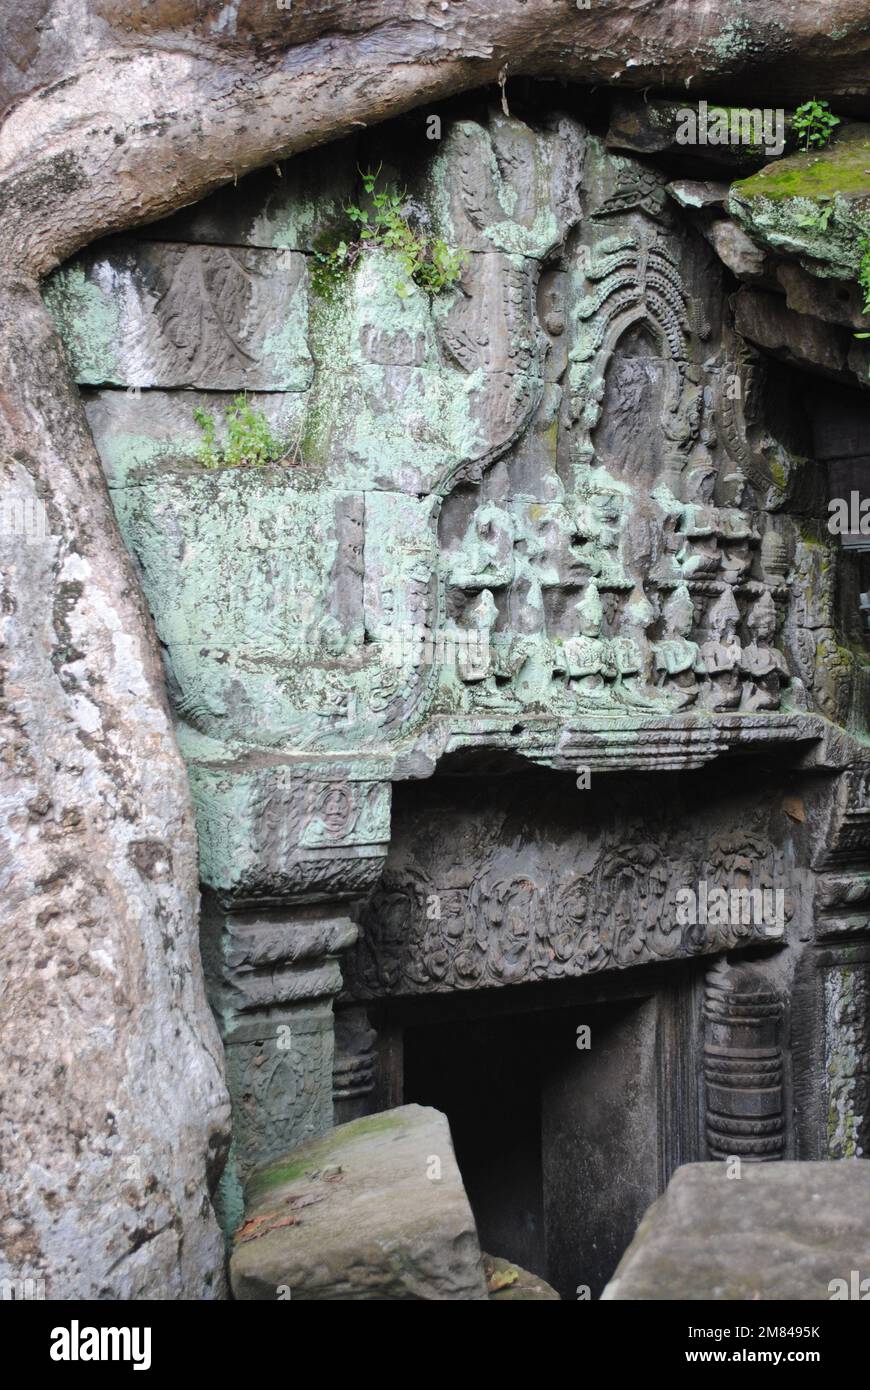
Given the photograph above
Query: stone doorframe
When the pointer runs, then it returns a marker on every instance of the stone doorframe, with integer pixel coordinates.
(290, 850)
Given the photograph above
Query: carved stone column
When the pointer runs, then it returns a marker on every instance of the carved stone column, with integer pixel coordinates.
(275, 922)
(743, 1065)
(355, 1066)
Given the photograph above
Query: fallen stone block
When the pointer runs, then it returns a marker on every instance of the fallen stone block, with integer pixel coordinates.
(779, 1231)
(375, 1209)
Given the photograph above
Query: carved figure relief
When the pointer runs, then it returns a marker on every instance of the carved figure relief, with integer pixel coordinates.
(559, 466)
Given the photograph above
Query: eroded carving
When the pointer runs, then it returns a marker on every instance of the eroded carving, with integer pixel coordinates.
(497, 896)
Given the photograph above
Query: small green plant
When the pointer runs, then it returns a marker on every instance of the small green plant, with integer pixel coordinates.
(391, 222)
(330, 262)
(814, 123)
(249, 440)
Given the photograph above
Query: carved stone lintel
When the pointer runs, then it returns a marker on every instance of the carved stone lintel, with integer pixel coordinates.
(593, 893)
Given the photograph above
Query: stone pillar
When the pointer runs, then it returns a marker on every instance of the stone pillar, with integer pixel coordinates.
(285, 854)
(355, 1066)
(743, 1065)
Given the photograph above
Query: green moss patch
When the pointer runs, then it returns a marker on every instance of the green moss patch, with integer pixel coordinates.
(843, 168)
(320, 1153)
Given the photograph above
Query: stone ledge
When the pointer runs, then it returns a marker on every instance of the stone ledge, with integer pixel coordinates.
(780, 1231)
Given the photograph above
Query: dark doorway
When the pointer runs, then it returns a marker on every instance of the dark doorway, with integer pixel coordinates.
(557, 1140)
(485, 1076)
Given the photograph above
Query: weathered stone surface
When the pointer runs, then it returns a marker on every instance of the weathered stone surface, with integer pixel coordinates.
(115, 1114)
(291, 829)
(222, 318)
(254, 655)
(767, 320)
(779, 1231)
(737, 252)
(140, 435)
(832, 301)
(373, 1210)
(698, 193)
(287, 205)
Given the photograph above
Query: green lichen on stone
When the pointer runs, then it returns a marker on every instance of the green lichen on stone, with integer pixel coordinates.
(843, 1008)
(363, 341)
(734, 40)
(813, 205)
(90, 321)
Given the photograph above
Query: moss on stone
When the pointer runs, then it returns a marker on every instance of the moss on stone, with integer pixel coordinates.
(843, 168)
(815, 206)
(309, 1158)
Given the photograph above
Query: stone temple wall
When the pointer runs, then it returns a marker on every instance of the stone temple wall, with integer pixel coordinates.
(541, 520)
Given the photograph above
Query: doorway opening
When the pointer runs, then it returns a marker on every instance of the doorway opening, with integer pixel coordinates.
(554, 1117)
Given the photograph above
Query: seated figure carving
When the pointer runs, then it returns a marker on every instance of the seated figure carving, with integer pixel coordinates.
(677, 659)
(632, 656)
(700, 525)
(485, 558)
(722, 653)
(598, 524)
(587, 657)
(737, 535)
(760, 662)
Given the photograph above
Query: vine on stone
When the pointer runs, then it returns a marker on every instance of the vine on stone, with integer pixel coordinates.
(391, 222)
